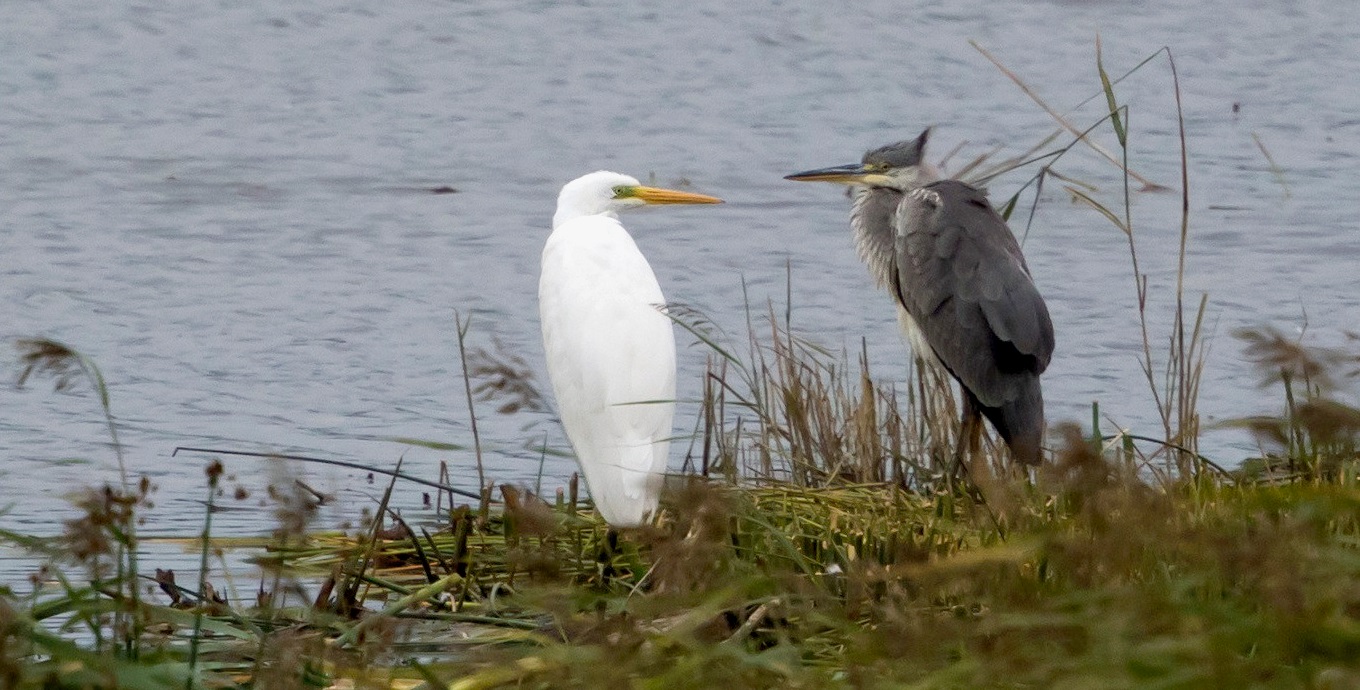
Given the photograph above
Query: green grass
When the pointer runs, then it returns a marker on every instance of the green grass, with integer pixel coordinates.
(1093, 572)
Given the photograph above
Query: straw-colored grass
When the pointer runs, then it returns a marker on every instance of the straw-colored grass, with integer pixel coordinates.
(1092, 572)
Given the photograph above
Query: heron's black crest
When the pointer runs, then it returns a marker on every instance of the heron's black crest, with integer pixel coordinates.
(902, 154)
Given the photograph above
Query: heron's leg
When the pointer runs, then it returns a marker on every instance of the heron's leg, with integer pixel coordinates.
(970, 436)
(934, 388)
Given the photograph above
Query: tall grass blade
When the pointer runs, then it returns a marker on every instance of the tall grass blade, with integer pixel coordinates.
(1108, 88)
(1104, 211)
(1275, 168)
(462, 328)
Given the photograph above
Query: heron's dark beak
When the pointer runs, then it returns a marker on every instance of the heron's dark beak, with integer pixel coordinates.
(854, 173)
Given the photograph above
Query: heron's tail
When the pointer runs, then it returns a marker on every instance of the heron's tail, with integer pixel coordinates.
(1021, 423)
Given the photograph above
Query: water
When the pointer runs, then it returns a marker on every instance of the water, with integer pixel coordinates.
(225, 205)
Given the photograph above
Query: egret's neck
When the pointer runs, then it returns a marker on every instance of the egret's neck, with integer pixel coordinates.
(570, 213)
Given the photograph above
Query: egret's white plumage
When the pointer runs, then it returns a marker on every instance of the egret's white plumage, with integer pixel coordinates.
(609, 345)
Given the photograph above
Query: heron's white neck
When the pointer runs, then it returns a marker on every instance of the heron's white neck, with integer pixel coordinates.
(873, 217)
(906, 179)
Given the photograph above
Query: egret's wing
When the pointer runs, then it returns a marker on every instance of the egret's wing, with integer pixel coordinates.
(963, 279)
(611, 359)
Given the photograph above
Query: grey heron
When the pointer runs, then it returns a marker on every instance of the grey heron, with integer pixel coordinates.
(610, 347)
(966, 302)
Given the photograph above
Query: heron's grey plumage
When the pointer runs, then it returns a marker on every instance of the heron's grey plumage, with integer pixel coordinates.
(963, 279)
(966, 299)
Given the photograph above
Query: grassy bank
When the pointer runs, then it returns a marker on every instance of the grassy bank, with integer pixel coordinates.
(825, 547)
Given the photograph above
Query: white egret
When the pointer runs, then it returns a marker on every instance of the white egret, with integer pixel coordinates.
(609, 344)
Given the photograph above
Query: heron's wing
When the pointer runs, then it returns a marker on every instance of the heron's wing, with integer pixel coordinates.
(961, 276)
(611, 360)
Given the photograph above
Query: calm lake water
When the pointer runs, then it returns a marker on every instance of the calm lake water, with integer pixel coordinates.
(225, 205)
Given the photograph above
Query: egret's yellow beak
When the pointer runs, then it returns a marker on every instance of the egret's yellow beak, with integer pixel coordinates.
(854, 173)
(656, 195)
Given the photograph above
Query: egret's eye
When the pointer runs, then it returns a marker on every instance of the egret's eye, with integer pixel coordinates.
(623, 191)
